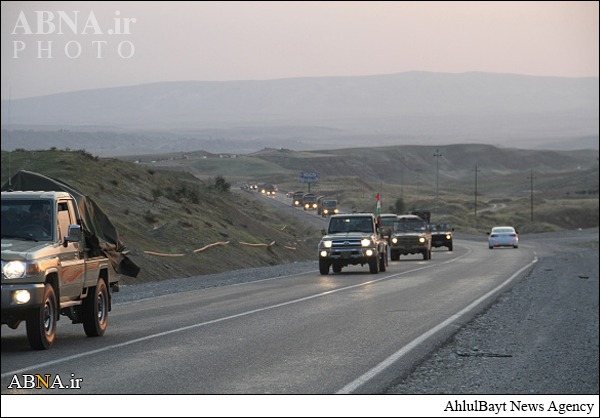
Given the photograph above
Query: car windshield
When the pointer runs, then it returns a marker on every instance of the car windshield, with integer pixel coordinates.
(387, 221)
(410, 225)
(350, 224)
(329, 204)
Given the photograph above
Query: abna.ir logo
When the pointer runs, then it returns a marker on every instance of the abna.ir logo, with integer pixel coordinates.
(94, 38)
(44, 381)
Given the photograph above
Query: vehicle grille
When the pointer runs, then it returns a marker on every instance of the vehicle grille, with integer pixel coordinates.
(407, 241)
(343, 244)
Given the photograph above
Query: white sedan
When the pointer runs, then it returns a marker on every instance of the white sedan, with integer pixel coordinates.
(503, 236)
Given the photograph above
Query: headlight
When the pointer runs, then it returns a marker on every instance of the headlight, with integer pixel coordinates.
(395, 240)
(421, 240)
(325, 211)
(365, 242)
(448, 236)
(327, 244)
(14, 269)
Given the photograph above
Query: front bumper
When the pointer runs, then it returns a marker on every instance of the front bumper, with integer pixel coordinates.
(350, 255)
(11, 308)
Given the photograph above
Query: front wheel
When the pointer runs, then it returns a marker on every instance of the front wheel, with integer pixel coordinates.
(374, 265)
(41, 323)
(323, 267)
(383, 261)
(95, 310)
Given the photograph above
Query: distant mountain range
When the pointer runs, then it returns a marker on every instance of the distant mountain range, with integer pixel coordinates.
(412, 108)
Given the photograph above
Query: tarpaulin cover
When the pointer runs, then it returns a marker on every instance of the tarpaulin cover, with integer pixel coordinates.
(98, 230)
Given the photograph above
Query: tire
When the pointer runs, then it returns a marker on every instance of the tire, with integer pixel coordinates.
(323, 267)
(395, 255)
(95, 310)
(374, 265)
(41, 323)
(383, 262)
(450, 247)
(337, 268)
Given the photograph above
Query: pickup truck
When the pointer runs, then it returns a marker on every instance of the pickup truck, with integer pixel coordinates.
(47, 268)
(352, 239)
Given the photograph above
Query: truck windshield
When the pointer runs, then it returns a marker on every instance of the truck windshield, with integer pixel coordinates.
(27, 219)
(354, 224)
(410, 226)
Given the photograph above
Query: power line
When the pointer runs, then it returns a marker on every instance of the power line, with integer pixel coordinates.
(531, 177)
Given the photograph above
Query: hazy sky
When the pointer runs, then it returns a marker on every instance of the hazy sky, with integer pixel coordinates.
(50, 47)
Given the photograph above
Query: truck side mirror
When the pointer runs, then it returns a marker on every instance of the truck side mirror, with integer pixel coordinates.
(74, 234)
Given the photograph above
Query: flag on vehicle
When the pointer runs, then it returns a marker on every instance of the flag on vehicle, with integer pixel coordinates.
(378, 210)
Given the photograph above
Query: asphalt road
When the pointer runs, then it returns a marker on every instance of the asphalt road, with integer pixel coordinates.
(470, 321)
(303, 334)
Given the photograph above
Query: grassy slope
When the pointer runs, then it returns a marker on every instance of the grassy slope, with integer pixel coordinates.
(167, 207)
(155, 210)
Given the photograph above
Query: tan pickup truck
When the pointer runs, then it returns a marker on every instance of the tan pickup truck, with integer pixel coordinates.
(47, 268)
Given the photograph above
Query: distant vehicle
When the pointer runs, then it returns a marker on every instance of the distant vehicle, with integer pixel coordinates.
(328, 207)
(503, 236)
(253, 186)
(289, 194)
(441, 235)
(297, 199)
(309, 201)
(267, 189)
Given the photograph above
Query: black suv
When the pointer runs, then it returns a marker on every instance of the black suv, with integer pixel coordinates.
(441, 235)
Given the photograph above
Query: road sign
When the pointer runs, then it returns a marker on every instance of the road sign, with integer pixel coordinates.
(309, 177)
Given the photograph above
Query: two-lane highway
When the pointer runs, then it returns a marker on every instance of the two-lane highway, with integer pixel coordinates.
(303, 334)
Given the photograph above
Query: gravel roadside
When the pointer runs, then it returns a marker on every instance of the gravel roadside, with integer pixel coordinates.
(538, 338)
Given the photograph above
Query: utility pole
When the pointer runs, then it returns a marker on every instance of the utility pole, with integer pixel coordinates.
(402, 177)
(476, 171)
(437, 156)
(531, 177)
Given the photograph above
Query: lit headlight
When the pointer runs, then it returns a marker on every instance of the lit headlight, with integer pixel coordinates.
(448, 236)
(325, 211)
(421, 240)
(365, 242)
(395, 240)
(14, 269)
(327, 244)
(21, 296)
